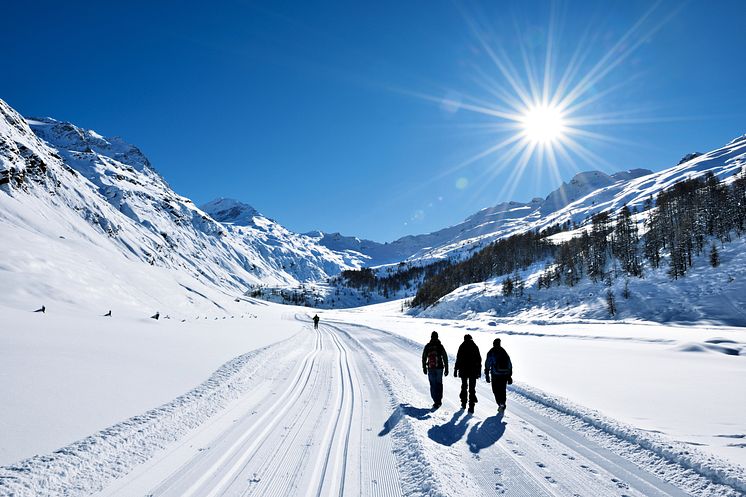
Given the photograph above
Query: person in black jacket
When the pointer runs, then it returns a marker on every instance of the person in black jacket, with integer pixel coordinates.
(316, 319)
(469, 367)
(498, 366)
(434, 365)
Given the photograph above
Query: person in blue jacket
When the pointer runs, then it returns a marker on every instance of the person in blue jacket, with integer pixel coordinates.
(498, 368)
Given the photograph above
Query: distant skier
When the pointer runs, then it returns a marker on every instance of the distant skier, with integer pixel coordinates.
(316, 319)
(469, 368)
(108, 314)
(498, 366)
(42, 309)
(434, 365)
(157, 315)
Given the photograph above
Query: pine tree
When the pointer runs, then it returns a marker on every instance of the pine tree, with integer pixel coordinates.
(507, 287)
(610, 302)
(714, 256)
(625, 292)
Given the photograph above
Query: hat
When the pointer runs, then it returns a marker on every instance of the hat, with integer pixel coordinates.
(434, 334)
(496, 342)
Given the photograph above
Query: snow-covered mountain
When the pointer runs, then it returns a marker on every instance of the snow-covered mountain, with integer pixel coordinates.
(88, 217)
(481, 228)
(79, 210)
(710, 291)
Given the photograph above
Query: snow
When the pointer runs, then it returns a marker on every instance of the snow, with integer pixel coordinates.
(637, 372)
(67, 374)
(704, 295)
(340, 411)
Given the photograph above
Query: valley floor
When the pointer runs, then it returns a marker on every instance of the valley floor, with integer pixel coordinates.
(344, 410)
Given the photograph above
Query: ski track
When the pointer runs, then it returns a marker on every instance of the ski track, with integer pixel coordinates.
(311, 433)
(344, 411)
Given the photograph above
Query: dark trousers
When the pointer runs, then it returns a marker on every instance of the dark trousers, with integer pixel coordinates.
(472, 385)
(436, 384)
(499, 385)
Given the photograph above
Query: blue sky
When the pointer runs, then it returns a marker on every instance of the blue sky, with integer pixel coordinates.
(350, 116)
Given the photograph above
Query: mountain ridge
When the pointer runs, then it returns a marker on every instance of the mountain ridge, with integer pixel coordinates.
(103, 191)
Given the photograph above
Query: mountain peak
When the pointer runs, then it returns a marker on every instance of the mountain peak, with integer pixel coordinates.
(228, 210)
(67, 136)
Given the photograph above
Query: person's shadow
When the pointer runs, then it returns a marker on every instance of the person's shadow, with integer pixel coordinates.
(486, 433)
(403, 410)
(451, 432)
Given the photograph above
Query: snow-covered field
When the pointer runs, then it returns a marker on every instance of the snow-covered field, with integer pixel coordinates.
(267, 406)
(64, 376)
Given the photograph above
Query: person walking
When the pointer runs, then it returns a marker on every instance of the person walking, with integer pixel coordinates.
(499, 368)
(469, 368)
(316, 319)
(435, 365)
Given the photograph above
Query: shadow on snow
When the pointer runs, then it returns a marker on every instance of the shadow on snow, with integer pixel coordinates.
(451, 432)
(486, 433)
(481, 435)
(403, 410)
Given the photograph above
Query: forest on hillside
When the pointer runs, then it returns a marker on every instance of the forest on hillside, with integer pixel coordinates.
(692, 216)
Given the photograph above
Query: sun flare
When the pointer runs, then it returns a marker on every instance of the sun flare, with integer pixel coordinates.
(543, 124)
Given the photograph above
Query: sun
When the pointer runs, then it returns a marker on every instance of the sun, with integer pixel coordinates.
(543, 124)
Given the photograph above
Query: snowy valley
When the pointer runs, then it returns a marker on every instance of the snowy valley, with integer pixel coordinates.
(232, 392)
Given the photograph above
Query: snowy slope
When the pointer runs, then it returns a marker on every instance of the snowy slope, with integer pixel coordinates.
(89, 205)
(705, 294)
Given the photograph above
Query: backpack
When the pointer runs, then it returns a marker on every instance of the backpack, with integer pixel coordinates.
(432, 358)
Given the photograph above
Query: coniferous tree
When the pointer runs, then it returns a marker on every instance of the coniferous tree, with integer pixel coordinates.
(610, 302)
(714, 256)
(507, 287)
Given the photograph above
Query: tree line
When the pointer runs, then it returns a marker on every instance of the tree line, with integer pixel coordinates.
(389, 283)
(677, 226)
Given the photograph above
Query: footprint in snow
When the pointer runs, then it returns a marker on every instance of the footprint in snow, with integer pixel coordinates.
(620, 483)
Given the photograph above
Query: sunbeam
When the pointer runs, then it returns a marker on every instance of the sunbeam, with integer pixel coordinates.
(544, 107)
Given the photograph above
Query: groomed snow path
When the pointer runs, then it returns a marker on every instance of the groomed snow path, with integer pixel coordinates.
(344, 411)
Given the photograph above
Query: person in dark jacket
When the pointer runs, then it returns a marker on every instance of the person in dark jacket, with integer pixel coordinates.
(434, 365)
(316, 319)
(469, 367)
(499, 368)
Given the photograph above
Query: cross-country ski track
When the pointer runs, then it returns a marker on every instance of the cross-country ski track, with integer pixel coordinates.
(345, 411)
